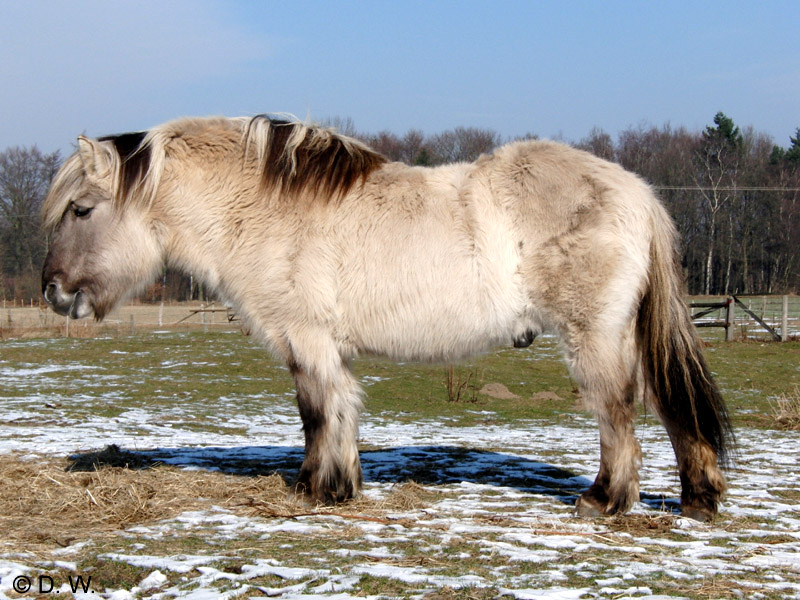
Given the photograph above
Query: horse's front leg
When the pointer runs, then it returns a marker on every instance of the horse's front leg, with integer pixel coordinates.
(329, 405)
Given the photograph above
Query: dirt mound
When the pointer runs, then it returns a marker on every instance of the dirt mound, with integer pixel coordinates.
(497, 390)
(540, 396)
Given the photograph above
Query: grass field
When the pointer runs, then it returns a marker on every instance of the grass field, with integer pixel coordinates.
(159, 465)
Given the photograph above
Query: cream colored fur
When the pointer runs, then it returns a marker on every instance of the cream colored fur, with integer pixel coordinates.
(414, 263)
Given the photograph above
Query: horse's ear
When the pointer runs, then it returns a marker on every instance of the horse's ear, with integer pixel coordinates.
(96, 157)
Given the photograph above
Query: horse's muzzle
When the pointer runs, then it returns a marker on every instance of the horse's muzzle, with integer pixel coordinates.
(74, 305)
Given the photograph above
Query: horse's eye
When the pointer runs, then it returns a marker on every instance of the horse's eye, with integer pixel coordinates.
(81, 211)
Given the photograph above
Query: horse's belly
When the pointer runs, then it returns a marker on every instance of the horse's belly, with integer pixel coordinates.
(447, 318)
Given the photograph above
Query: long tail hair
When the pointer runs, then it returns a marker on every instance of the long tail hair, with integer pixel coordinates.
(683, 389)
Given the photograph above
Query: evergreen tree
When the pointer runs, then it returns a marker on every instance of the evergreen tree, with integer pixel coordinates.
(423, 159)
(725, 133)
(790, 155)
(793, 153)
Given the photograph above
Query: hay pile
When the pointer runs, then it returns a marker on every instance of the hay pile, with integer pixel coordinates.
(786, 410)
(46, 503)
(43, 503)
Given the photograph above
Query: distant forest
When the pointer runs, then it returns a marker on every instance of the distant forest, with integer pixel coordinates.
(734, 194)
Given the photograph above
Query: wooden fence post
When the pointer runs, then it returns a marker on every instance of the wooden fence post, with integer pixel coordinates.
(730, 318)
(785, 319)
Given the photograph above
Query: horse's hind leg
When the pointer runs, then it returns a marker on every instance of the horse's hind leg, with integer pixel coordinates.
(329, 406)
(702, 481)
(608, 379)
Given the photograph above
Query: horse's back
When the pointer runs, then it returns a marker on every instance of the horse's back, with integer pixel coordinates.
(446, 262)
(583, 227)
(550, 188)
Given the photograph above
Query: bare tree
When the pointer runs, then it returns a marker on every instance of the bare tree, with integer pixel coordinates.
(25, 175)
(462, 144)
(780, 262)
(344, 125)
(599, 143)
(717, 161)
(387, 143)
(413, 147)
(664, 157)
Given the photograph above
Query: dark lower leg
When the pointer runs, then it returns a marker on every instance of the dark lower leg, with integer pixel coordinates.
(328, 485)
(331, 470)
(702, 482)
(616, 487)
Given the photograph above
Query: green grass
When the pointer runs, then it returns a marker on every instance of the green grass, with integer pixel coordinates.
(752, 373)
(415, 390)
(169, 370)
(112, 574)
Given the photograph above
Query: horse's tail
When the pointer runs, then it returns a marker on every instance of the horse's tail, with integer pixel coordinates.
(682, 388)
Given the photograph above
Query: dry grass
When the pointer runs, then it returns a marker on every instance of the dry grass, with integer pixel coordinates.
(786, 410)
(43, 503)
(448, 593)
(56, 502)
(404, 497)
(457, 383)
(643, 524)
(722, 587)
(39, 321)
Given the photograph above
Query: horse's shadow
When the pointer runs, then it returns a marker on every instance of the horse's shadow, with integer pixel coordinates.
(426, 465)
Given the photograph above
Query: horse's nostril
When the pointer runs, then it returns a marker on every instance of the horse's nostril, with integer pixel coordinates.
(50, 292)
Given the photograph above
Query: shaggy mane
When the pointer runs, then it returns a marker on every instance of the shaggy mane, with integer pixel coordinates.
(134, 160)
(65, 185)
(296, 158)
(293, 158)
(136, 167)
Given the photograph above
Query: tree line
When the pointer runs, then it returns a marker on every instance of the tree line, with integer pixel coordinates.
(734, 195)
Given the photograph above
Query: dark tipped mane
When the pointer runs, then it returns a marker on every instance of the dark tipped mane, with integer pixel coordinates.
(135, 158)
(296, 158)
(293, 159)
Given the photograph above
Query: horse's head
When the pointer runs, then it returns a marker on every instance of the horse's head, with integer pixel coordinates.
(104, 241)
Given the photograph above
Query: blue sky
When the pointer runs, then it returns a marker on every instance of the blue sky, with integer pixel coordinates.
(554, 68)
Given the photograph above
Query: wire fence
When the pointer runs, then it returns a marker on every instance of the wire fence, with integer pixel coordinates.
(38, 320)
(753, 318)
(748, 317)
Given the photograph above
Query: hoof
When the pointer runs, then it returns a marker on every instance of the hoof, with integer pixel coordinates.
(524, 339)
(595, 502)
(589, 506)
(587, 509)
(328, 491)
(328, 497)
(703, 515)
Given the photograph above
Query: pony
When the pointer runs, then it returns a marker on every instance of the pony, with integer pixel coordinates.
(327, 250)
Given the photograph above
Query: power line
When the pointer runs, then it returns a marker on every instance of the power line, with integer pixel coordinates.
(697, 188)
